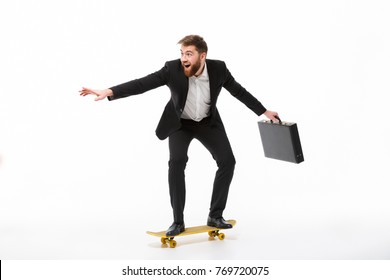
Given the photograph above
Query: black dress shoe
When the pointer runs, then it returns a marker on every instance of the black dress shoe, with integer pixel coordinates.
(175, 229)
(218, 223)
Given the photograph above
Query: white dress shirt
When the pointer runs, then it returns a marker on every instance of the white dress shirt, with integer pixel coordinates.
(198, 99)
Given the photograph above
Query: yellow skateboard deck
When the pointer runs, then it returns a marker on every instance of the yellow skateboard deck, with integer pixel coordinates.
(213, 232)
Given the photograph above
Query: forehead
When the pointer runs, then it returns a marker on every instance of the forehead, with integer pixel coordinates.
(188, 49)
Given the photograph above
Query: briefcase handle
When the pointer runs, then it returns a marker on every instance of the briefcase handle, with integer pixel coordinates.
(276, 117)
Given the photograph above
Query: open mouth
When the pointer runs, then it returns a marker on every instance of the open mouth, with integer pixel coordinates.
(187, 65)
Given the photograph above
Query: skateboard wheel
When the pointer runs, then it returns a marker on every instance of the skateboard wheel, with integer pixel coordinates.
(221, 236)
(172, 243)
(163, 240)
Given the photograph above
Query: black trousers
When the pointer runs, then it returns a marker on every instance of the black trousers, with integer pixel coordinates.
(214, 138)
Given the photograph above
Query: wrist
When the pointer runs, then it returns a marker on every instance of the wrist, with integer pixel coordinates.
(108, 92)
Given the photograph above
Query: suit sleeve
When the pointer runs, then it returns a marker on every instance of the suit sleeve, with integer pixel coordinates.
(138, 86)
(242, 94)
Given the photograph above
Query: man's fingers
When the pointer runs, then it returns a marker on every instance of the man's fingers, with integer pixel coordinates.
(100, 94)
(86, 91)
(276, 119)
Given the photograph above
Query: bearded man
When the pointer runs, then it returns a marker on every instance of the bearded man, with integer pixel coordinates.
(195, 83)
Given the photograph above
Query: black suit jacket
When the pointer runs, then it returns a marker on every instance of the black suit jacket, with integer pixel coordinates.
(172, 75)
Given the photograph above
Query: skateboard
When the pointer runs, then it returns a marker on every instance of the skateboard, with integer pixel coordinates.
(212, 231)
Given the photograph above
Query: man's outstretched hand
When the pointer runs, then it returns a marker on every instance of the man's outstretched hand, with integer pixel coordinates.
(100, 94)
(272, 115)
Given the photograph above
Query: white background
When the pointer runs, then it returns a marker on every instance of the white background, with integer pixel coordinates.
(84, 180)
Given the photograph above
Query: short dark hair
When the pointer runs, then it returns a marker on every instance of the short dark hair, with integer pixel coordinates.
(194, 40)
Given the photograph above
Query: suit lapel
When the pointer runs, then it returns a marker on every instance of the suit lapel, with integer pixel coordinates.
(183, 86)
(212, 81)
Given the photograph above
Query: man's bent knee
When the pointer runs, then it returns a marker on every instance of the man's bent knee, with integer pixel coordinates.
(228, 162)
(178, 163)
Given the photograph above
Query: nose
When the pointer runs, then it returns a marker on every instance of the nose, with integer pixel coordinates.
(183, 57)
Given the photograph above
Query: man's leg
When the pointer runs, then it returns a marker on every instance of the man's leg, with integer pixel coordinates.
(178, 148)
(214, 138)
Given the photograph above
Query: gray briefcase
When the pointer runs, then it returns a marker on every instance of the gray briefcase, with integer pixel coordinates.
(281, 141)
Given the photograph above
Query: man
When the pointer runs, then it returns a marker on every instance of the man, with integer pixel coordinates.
(195, 83)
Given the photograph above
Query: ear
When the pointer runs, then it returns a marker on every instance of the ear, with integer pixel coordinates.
(203, 55)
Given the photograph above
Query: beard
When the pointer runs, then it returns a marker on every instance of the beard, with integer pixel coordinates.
(191, 71)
